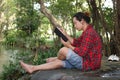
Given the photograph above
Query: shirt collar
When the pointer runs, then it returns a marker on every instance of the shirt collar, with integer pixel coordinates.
(89, 26)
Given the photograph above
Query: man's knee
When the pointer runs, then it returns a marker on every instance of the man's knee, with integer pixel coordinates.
(63, 51)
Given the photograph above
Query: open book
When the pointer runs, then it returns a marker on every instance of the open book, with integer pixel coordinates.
(60, 34)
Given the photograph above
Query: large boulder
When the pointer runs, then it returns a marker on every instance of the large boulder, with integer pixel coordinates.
(108, 71)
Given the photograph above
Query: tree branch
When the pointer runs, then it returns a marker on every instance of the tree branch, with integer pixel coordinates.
(51, 18)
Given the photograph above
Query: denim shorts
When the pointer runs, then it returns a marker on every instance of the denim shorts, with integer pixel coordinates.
(73, 60)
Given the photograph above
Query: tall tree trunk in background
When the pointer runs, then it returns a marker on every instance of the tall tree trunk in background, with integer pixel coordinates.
(117, 24)
(106, 29)
(95, 13)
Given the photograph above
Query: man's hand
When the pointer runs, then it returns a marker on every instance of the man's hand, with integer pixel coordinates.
(67, 44)
(63, 31)
(70, 39)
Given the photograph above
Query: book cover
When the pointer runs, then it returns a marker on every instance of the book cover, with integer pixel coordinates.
(60, 34)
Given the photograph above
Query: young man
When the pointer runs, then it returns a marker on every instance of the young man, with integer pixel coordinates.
(82, 53)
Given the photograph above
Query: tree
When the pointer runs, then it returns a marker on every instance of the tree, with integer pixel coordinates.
(1, 17)
(100, 20)
(116, 8)
(63, 10)
(27, 18)
(6, 15)
(104, 24)
(51, 18)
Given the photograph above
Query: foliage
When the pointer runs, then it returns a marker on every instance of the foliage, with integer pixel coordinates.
(12, 36)
(42, 55)
(63, 8)
(6, 14)
(108, 13)
(27, 18)
(13, 71)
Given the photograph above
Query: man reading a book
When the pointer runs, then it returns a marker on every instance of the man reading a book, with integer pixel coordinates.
(83, 53)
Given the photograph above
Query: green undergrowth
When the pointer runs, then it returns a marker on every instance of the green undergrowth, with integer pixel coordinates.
(13, 70)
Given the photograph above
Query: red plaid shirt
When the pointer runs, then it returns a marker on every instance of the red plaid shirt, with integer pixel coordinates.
(89, 46)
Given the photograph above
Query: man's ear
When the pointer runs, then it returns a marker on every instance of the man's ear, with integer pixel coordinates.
(82, 21)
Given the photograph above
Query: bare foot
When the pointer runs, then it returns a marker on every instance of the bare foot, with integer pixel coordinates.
(51, 59)
(28, 68)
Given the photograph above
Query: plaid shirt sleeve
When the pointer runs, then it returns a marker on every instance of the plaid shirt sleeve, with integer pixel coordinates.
(85, 44)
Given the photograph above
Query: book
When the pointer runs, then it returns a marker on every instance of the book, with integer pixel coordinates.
(60, 34)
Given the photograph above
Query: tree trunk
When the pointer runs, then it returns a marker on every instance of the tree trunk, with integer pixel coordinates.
(47, 13)
(51, 18)
(1, 20)
(117, 25)
(95, 13)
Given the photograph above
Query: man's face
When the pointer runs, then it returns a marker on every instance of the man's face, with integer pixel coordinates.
(77, 24)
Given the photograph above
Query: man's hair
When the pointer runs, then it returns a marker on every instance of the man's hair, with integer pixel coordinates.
(79, 16)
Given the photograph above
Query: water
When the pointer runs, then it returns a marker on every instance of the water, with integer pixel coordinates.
(5, 56)
(115, 73)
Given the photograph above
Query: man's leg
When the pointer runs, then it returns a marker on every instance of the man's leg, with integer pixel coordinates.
(53, 63)
(51, 59)
(47, 66)
(61, 55)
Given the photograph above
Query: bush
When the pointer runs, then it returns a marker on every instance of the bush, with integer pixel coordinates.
(13, 71)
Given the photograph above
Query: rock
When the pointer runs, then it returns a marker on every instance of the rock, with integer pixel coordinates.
(61, 76)
(51, 75)
(112, 69)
